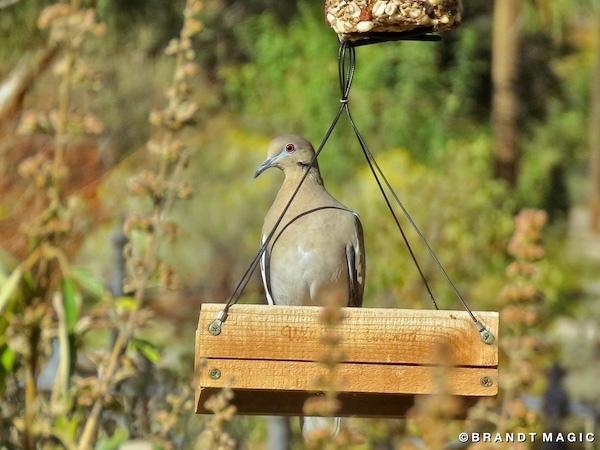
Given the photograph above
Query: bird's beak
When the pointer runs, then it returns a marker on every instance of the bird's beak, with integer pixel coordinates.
(264, 166)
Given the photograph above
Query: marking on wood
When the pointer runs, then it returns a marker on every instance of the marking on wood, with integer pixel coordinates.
(267, 355)
(375, 335)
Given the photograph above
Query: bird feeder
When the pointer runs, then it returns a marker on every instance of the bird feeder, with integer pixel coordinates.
(356, 19)
(268, 355)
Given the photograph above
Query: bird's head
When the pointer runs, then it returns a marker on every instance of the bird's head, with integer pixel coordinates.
(289, 153)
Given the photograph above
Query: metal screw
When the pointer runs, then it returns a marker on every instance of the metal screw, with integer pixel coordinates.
(215, 327)
(215, 374)
(486, 381)
(487, 336)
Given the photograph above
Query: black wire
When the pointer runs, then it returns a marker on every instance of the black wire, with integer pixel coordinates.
(255, 261)
(306, 213)
(345, 77)
(416, 227)
(285, 227)
(375, 40)
(375, 168)
(349, 49)
(346, 69)
(420, 34)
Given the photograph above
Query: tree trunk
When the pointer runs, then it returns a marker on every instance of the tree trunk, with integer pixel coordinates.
(594, 169)
(505, 103)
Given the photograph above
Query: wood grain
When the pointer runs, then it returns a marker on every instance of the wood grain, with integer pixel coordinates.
(267, 355)
(352, 377)
(369, 335)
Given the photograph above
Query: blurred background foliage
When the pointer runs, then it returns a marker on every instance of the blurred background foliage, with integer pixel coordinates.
(269, 67)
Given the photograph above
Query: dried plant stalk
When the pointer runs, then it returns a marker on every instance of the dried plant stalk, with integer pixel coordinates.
(521, 299)
(163, 188)
(521, 303)
(214, 437)
(433, 414)
(49, 232)
(327, 405)
(353, 18)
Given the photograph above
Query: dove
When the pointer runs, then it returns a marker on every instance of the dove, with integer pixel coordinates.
(317, 250)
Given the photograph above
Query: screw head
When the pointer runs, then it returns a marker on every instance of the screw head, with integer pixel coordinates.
(215, 374)
(215, 327)
(486, 381)
(487, 337)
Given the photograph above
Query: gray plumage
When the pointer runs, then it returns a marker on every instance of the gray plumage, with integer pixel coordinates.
(312, 256)
(319, 254)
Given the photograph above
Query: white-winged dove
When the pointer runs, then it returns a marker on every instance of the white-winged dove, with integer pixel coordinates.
(319, 254)
(313, 254)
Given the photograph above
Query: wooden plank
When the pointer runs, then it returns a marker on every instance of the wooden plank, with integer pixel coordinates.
(290, 403)
(352, 377)
(369, 335)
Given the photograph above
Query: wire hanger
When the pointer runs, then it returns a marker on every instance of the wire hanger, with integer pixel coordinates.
(346, 70)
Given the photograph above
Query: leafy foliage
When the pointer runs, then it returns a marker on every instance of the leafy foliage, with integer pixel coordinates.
(268, 67)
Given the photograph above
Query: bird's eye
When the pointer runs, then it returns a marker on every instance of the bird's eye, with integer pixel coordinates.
(290, 148)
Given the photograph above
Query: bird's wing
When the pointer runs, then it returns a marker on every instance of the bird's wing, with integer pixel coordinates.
(265, 273)
(355, 258)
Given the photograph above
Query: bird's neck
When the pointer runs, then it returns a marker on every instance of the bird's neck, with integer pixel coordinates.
(293, 178)
(312, 188)
(311, 191)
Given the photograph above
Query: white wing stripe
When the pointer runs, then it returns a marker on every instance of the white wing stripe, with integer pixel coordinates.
(263, 261)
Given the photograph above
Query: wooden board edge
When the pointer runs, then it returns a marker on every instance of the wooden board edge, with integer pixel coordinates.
(355, 378)
(214, 307)
(290, 403)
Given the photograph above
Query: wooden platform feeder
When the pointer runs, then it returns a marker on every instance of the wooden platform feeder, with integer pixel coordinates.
(267, 355)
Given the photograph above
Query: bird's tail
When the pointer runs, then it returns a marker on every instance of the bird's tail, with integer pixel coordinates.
(312, 425)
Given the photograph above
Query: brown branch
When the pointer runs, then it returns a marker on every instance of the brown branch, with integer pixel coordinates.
(167, 175)
(88, 435)
(21, 80)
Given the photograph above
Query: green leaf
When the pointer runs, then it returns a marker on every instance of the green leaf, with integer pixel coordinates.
(9, 286)
(70, 303)
(147, 349)
(7, 359)
(65, 428)
(113, 442)
(67, 310)
(88, 282)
